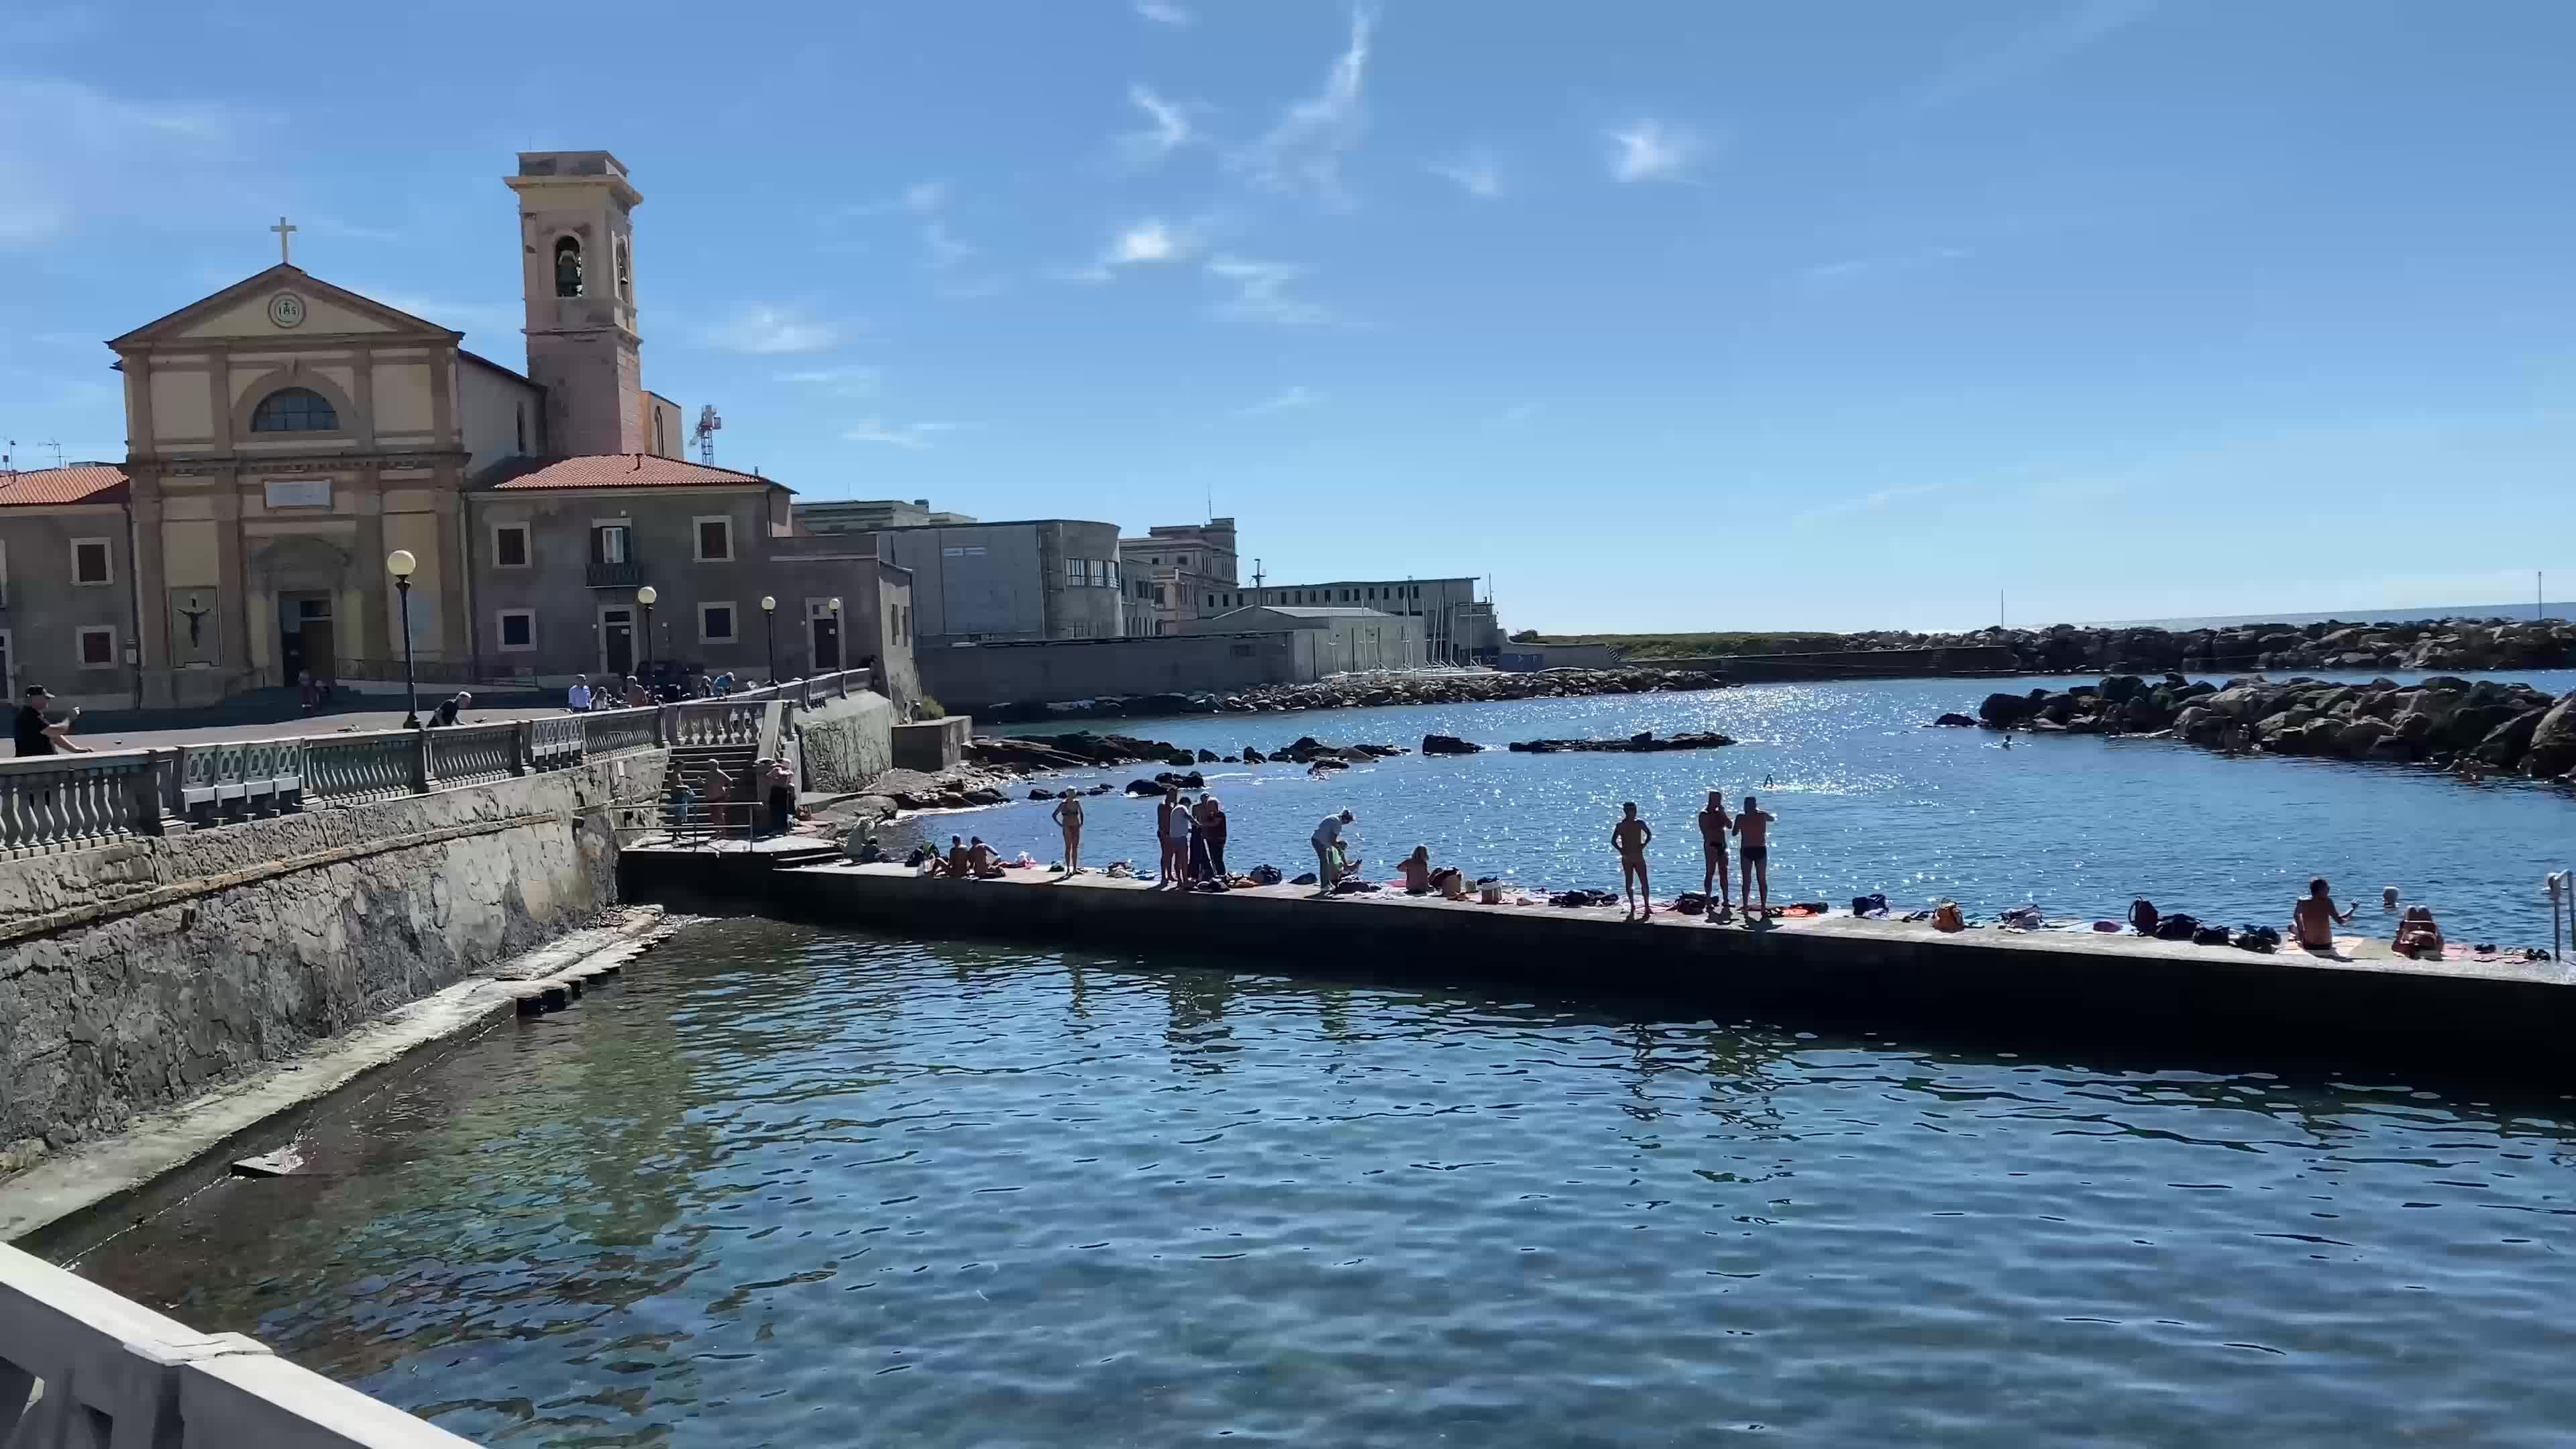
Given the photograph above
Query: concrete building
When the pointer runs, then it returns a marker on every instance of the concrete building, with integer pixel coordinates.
(1047, 578)
(67, 585)
(977, 676)
(1179, 572)
(561, 552)
(1346, 640)
(1457, 626)
(866, 515)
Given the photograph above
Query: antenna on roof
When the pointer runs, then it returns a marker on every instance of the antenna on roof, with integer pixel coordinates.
(705, 432)
(58, 450)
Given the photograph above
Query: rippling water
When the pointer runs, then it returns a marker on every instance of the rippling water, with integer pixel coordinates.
(790, 1188)
(1868, 800)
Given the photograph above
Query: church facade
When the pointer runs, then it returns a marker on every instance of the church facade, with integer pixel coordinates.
(285, 436)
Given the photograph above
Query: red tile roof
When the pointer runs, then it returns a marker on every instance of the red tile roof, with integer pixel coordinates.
(79, 483)
(627, 470)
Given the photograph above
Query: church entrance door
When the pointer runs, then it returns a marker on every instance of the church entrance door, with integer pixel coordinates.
(827, 643)
(304, 637)
(617, 641)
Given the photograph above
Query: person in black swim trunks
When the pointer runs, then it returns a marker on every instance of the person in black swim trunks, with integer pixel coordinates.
(1753, 854)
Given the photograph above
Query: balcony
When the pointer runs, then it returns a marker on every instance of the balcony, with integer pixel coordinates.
(615, 575)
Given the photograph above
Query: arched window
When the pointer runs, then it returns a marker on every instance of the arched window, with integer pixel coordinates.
(294, 410)
(567, 267)
(625, 280)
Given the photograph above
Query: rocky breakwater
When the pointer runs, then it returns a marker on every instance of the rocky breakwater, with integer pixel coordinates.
(2475, 644)
(1363, 691)
(2445, 721)
(1645, 743)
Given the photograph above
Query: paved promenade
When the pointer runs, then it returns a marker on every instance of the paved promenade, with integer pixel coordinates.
(347, 722)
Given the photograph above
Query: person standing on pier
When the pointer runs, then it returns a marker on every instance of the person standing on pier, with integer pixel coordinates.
(1328, 843)
(1630, 837)
(1753, 852)
(1714, 886)
(1172, 836)
(1211, 838)
(1068, 817)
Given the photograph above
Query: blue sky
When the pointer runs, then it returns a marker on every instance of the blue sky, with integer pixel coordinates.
(1664, 315)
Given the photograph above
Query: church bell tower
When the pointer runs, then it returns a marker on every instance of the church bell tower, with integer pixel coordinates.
(576, 229)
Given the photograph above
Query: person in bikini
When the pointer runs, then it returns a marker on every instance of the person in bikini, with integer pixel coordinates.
(2314, 917)
(1630, 837)
(1713, 825)
(1753, 851)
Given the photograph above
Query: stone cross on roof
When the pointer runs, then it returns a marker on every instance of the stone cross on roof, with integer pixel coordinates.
(283, 233)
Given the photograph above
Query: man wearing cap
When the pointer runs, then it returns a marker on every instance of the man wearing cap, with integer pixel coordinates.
(39, 735)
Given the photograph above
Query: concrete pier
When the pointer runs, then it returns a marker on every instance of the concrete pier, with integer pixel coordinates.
(2177, 1003)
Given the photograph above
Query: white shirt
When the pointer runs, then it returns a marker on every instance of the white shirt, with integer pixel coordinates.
(579, 696)
(1329, 833)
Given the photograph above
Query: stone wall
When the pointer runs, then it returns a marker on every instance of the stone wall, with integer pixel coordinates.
(846, 742)
(976, 676)
(933, 745)
(137, 976)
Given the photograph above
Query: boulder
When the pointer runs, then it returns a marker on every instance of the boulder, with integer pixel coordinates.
(2553, 740)
(1208, 757)
(1252, 756)
(1144, 787)
(2000, 710)
(1041, 794)
(2356, 739)
(2471, 724)
(1952, 720)
(2509, 741)
(1452, 745)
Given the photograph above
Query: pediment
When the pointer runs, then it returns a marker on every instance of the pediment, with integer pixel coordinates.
(250, 310)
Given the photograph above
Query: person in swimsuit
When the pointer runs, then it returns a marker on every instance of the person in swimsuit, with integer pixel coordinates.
(2314, 917)
(1713, 825)
(1210, 817)
(1172, 834)
(1068, 816)
(2418, 936)
(957, 865)
(1416, 870)
(1753, 849)
(1630, 837)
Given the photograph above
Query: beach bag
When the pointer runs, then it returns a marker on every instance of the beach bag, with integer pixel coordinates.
(1690, 903)
(2262, 939)
(2176, 927)
(1869, 906)
(1265, 875)
(2142, 916)
(1490, 890)
(1946, 917)
(2210, 936)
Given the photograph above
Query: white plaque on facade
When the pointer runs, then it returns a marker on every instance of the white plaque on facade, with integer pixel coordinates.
(299, 492)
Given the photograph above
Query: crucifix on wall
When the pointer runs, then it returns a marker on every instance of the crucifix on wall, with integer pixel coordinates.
(194, 629)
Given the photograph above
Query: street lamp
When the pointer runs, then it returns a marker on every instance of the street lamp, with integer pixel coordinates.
(840, 649)
(400, 564)
(769, 626)
(646, 596)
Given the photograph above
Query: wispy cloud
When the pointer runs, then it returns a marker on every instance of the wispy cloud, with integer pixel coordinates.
(763, 329)
(1261, 292)
(1287, 399)
(899, 435)
(1477, 173)
(2069, 29)
(946, 256)
(1650, 150)
(1854, 269)
(485, 324)
(1150, 242)
(1302, 153)
(1512, 419)
(1168, 127)
(1873, 502)
(837, 381)
(78, 156)
(1163, 12)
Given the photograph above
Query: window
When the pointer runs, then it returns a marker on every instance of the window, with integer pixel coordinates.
(1099, 574)
(98, 646)
(715, 540)
(92, 564)
(567, 267)
(522, 434)
(608, 543)
(1242, 651)
(625, 276)
(715, 623)
(510, 545)
(1073, 569)
(294, 410)
(1113, 573)
(661, 447)
(518, 629)
(4, 602)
